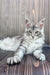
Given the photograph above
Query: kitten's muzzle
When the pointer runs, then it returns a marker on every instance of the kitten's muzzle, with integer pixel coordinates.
(32, 36)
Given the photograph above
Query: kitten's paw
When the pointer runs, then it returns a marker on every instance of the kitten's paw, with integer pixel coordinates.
(42, 57)
(13, 60)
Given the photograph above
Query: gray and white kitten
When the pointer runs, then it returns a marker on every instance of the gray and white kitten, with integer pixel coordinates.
(30, 43)
(33, 40)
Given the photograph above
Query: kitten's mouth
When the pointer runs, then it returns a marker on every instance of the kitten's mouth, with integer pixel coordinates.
(32, 36)
(35, 38)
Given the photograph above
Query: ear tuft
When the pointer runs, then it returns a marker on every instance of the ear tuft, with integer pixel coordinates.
(42, 20)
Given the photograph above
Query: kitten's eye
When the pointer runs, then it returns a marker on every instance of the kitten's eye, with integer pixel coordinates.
(36, 32)
(30, 31)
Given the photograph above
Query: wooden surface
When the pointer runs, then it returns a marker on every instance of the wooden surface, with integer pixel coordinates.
(28, 66)
(14, 12)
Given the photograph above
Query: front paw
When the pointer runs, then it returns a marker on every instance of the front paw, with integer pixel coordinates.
(42, 57)
(13, 60)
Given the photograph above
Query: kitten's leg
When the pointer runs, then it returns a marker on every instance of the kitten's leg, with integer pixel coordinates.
(39, 55)
(17, 57)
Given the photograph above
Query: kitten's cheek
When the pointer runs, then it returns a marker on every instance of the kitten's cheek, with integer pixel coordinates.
(31, 37)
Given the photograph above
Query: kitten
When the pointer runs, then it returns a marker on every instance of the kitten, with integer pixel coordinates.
(32, 42)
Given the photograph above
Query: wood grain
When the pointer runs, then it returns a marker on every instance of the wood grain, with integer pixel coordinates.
(14, 12)
(26, 67)
(49, 20)
(46, 23)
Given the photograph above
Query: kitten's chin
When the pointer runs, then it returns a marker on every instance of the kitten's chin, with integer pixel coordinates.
(35, 38)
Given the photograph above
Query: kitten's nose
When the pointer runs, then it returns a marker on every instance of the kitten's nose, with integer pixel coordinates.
(32, 36)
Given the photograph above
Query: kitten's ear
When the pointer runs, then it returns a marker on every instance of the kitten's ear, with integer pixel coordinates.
(41, 23)
(28, 23)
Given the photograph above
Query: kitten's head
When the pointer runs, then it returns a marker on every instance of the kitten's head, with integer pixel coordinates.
(34, 31)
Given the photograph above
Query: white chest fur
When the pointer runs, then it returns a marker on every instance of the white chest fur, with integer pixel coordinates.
(32, 45)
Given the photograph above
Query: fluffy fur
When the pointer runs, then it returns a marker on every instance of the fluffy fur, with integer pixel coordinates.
(10, 44)
(31, 42)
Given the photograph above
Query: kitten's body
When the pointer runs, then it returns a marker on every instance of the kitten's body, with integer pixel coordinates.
(10, 44)
(27, 45)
